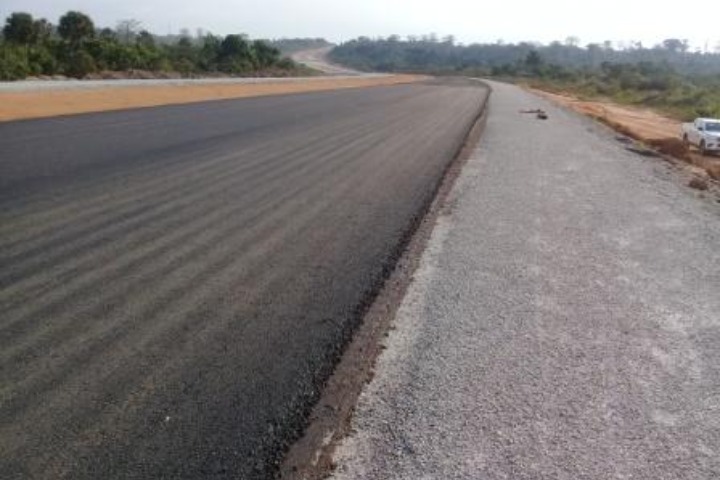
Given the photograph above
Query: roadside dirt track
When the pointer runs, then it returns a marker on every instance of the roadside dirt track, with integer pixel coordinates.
(176, 283)
(642, 124)
(40, 104)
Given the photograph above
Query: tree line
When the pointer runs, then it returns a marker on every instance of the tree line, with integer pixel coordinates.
(667, 76)
(75, 47)
(428, 53)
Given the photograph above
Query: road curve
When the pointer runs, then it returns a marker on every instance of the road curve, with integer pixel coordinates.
(176, 282)
(318, 59)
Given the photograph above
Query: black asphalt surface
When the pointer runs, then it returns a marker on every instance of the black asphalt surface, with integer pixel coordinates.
(176, 282)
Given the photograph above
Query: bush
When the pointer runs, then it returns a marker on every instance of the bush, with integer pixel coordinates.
(79, 63)
(14, 63)
(42, 61)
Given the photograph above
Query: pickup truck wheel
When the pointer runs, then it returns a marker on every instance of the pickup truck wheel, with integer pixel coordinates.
(702, 148)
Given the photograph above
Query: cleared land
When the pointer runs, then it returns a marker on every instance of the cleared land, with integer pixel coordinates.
(176, 282)
(17, 105)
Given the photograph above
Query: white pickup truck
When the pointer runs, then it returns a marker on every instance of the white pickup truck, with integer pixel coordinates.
(704, 133)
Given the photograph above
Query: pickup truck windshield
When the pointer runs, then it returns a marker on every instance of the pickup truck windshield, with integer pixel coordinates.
(712, 127)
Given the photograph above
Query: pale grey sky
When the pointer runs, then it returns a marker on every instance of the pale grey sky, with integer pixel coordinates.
(469, 20)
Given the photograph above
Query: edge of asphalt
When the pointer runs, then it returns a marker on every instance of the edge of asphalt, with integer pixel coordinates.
(311, 456)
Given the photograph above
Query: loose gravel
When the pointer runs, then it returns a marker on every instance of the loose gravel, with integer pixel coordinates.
(564, 323)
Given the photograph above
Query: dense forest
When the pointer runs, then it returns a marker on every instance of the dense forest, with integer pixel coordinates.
(667, 76)
(75, 47)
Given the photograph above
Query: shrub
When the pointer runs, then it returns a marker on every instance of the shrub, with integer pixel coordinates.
(14, 63)
(79, 63)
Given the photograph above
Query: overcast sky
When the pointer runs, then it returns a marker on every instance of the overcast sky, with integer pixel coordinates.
(468, 20)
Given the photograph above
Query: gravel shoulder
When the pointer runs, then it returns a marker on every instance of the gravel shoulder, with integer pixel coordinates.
(563, 323)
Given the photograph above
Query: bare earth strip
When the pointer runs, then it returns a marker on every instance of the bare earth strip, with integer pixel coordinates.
(39, 104)
(643, 124)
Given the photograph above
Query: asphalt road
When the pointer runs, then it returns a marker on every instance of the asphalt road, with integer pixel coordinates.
(564, 323)
(176, 282)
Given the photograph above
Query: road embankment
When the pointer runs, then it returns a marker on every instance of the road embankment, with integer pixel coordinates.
(20, 104)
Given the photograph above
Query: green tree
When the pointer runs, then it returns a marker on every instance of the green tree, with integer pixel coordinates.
(209, 55)
(42, 61)
(44, 31)
(534, 62)
(235, 46)
(675, 45)
(76, 27)
(20, 28)
(108, 34)
(236, 54)
(184, 56)
(79, 63)
(265, 55)
(145, 39)
(13, 62)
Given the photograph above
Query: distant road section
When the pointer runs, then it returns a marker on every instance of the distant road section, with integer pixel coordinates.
(318, 59)
(176, 282)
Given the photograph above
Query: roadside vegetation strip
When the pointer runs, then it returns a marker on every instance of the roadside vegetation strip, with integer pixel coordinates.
(27, 105)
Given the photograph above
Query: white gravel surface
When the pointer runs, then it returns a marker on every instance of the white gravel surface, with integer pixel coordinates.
(564, 323)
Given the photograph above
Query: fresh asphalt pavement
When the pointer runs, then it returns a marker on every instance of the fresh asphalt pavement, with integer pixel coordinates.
(564, 323)
(176, 282)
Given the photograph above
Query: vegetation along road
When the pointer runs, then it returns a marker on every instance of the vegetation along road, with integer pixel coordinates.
(177, 282)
